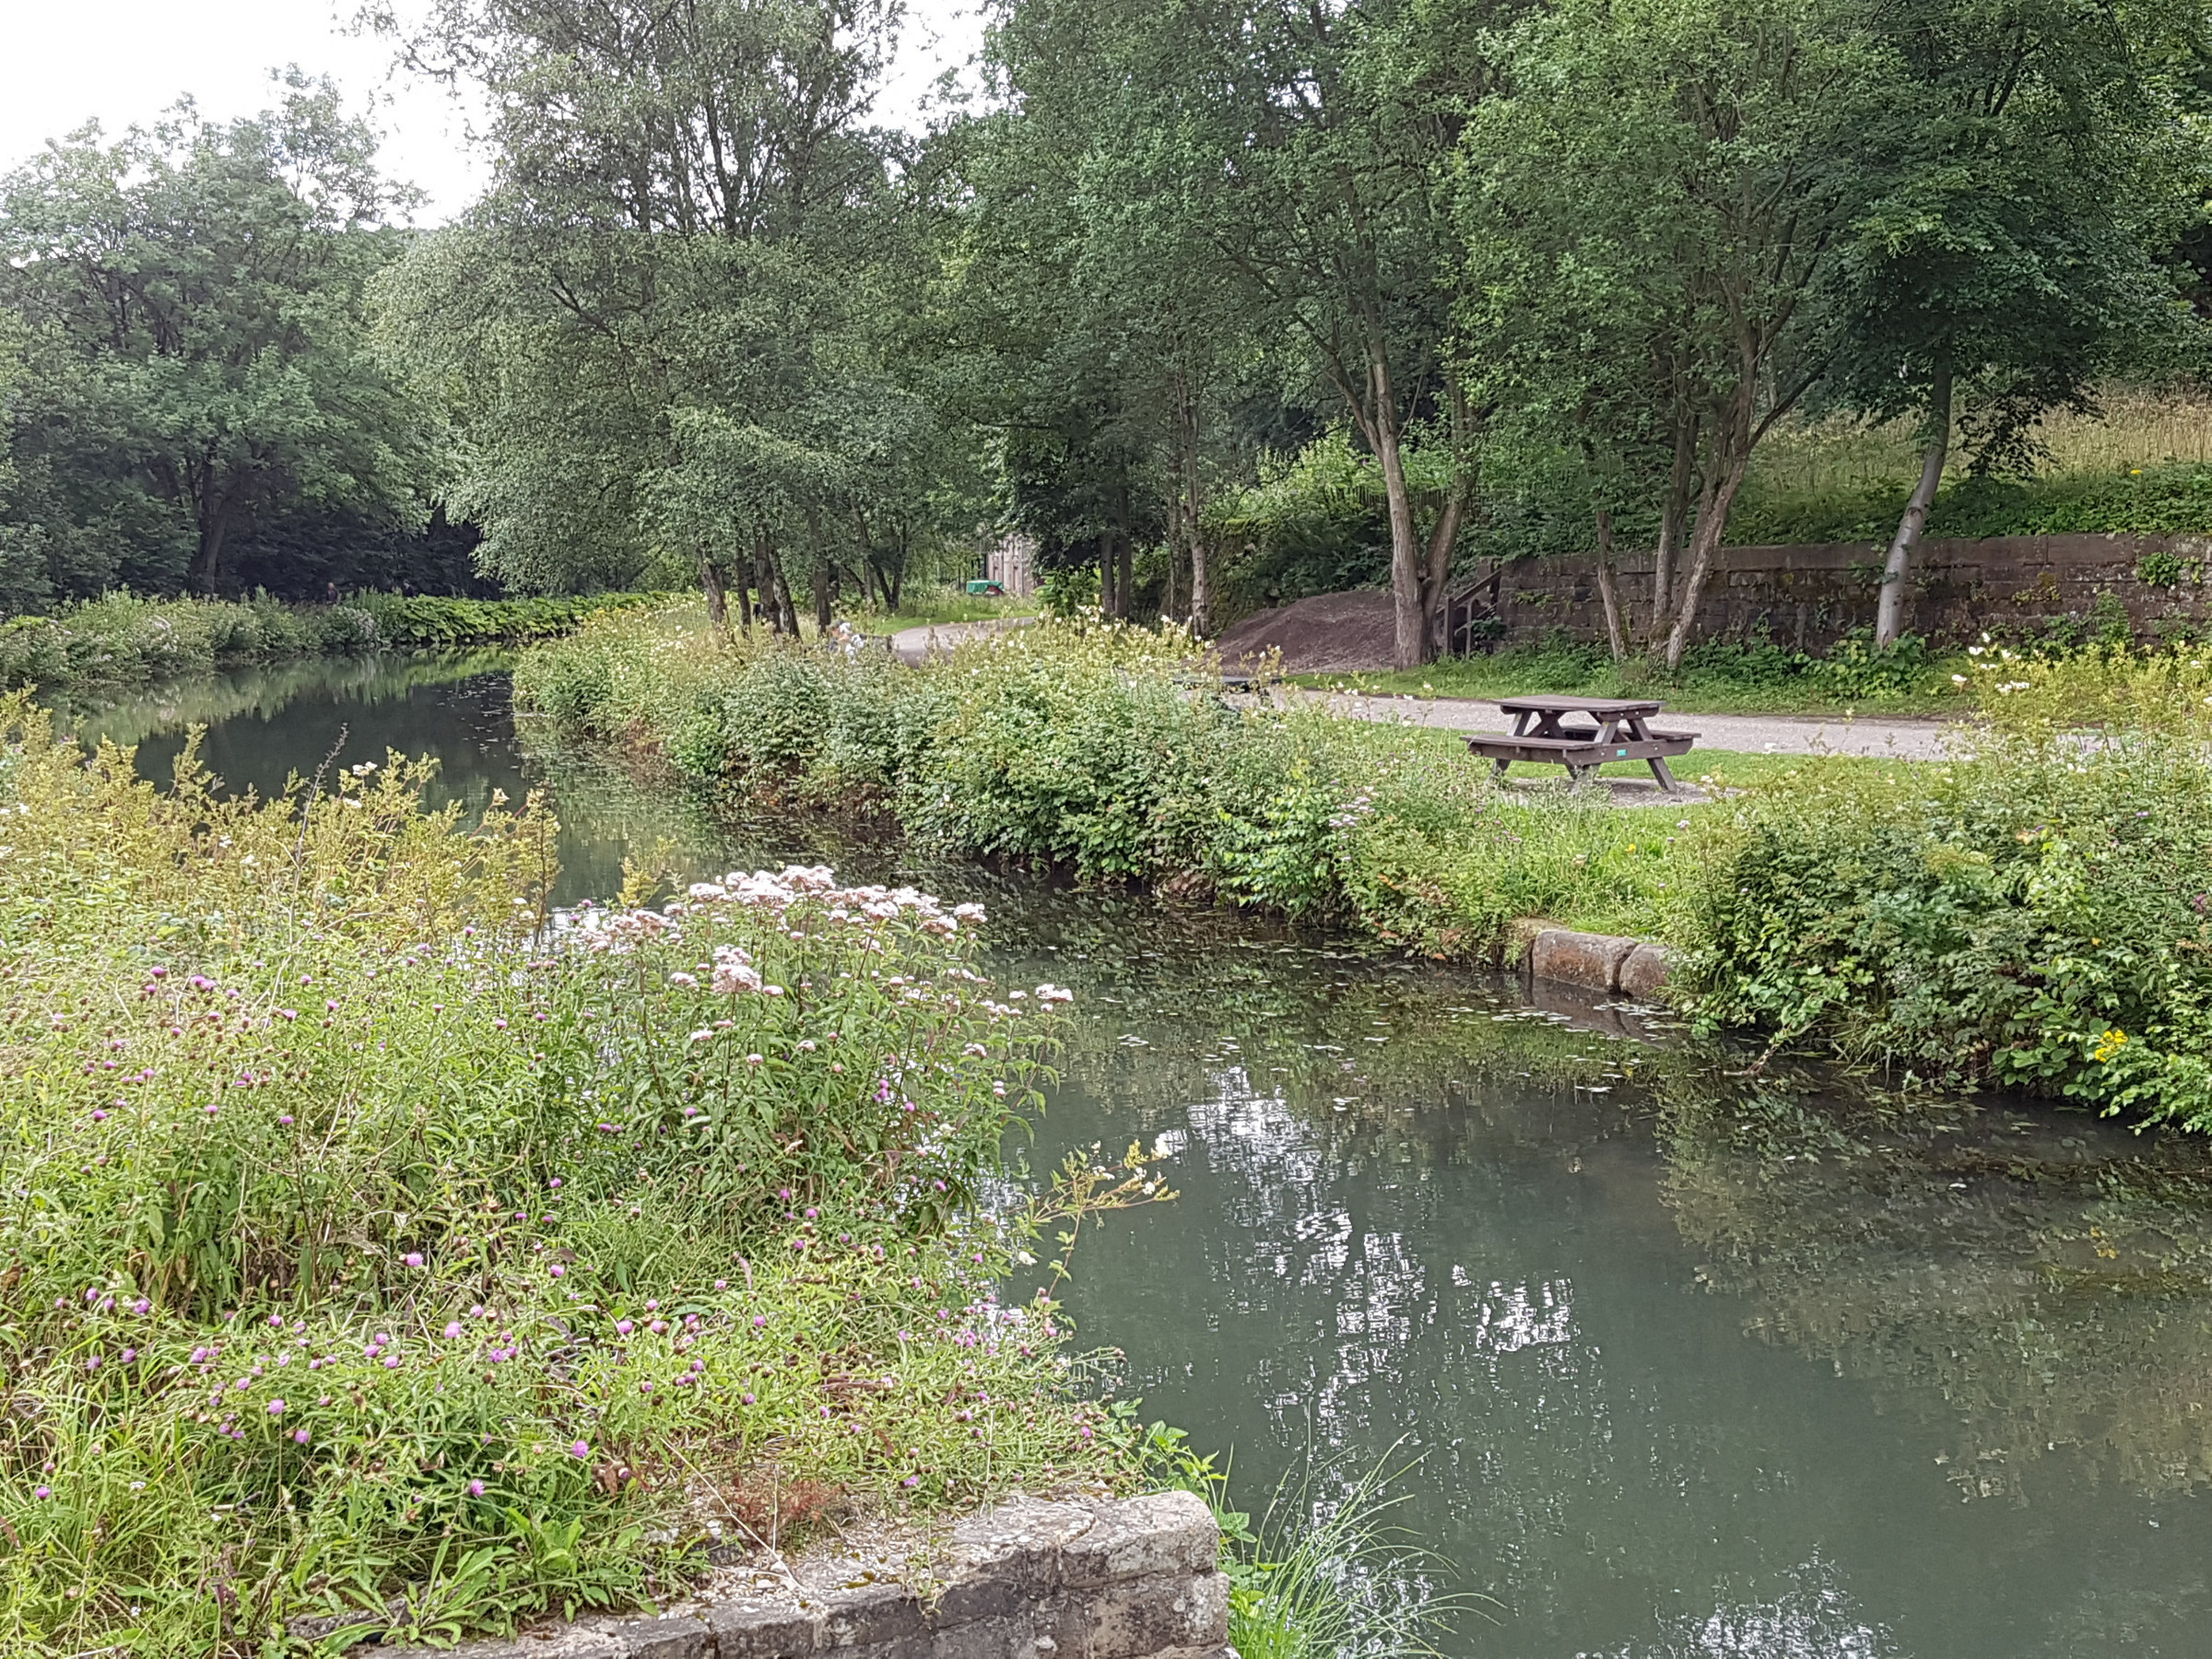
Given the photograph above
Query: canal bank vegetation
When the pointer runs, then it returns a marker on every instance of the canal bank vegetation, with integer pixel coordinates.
(374, 1254)
(1111, 752)
(125, 639)
(2033, 913)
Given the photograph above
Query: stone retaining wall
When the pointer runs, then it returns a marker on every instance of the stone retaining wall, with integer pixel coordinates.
(1806, 597)
(1100, 1578)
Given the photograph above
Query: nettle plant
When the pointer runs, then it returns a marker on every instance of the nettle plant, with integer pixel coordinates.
(380, 1247)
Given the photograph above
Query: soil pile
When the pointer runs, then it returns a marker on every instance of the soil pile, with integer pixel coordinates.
(1330, 633)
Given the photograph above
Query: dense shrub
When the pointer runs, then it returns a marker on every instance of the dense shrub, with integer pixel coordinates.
(414, 621)
(2038, 916)
(125, 639)
(1111, 752)
(2175, 498)
(365, 1239)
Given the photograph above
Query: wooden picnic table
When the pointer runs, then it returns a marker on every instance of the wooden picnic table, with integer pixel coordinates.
(1621, 730)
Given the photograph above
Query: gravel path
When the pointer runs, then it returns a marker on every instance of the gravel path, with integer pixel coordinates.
(914, 644)
(1742, 733)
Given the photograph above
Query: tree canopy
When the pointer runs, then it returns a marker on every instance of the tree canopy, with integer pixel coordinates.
(1507, 274)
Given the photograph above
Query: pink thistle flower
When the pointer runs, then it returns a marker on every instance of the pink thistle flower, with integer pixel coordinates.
(413, 1258)
(579, 1448)
(276, 1407)
(453, 1328)
(42, 1492)
(476, 1489)
(303, 1436)
(624, 1327)
(557, 1270)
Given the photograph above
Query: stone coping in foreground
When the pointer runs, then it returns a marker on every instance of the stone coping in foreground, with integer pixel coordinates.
(1133, 1577)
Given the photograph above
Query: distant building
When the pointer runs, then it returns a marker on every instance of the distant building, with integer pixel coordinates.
(1012, 565)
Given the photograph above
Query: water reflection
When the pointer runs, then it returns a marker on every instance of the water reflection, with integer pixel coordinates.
(1694, 1366)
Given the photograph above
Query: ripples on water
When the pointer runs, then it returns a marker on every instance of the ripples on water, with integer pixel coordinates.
(1691, 1366)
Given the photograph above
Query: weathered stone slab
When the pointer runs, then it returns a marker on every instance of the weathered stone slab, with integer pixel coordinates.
(1589, 961)
(1132, 1579)
(1140, 1617)
(1166, 1535)
(1643, 973)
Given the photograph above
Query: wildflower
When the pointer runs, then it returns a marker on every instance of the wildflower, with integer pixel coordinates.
(476, 1489)
(579, 1448)
(42, 1492)
(301, 1436)
(557, 1270)
(413, 1258)
(624, 1327)
(276, 1407)
(453, 1328)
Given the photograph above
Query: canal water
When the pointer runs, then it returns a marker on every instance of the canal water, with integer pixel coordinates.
(1670, 1363)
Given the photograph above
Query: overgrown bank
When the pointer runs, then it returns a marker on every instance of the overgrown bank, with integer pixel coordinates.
(1111, 752)
(126, 639)
(2034, 914)
(370, 1251)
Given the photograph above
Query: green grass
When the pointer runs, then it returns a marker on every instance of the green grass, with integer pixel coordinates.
(940, 609)
(1530, 671)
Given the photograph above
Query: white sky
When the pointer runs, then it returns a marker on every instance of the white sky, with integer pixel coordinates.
(65, 62)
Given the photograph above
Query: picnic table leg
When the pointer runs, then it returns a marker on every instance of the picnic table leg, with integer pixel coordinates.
(1497, 770)
(1640, 729)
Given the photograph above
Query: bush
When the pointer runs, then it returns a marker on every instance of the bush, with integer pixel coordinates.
(367, 1240)
(1111, 752)
(2039, 917)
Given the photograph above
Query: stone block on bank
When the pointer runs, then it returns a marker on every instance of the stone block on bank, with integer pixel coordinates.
(1100, 1578)
(1590, 962)
(1139, 1618)
(1643, 973)
(1167, 1534)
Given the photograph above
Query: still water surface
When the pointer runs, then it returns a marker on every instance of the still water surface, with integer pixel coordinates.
(1690, 1366)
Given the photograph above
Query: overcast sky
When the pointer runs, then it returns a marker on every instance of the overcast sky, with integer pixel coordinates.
(124, 61)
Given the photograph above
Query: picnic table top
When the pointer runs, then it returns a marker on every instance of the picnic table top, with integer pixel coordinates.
(1580, 705)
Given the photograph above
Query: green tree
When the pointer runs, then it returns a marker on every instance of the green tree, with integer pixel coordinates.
(1653, 210)
(195, 357)
(2035, 161)
(665, 336)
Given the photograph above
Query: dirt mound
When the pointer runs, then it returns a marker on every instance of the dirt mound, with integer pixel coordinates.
(1330, 633)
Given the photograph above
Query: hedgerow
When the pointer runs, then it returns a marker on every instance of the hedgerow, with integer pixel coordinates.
(1111, 752)
(123, 639)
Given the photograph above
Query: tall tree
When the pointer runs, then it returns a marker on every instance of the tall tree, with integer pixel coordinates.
(1667, 186)
(196, 356)
(650, 326)
(2034, 164)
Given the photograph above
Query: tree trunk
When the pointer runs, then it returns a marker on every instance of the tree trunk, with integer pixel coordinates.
(1673, 522)
(207, 567)
(821, 574)
(718, 604)
(1705, 543)
(1106, 575)
(1437, 573)
(1410, 641)
(775, 594)
(1608, 590)
(1119, 506)
(1889, 612)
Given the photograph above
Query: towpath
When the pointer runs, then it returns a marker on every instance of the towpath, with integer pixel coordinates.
(1739, 734)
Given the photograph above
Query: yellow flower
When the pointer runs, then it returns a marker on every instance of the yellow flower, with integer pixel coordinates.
(2109, 1045)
